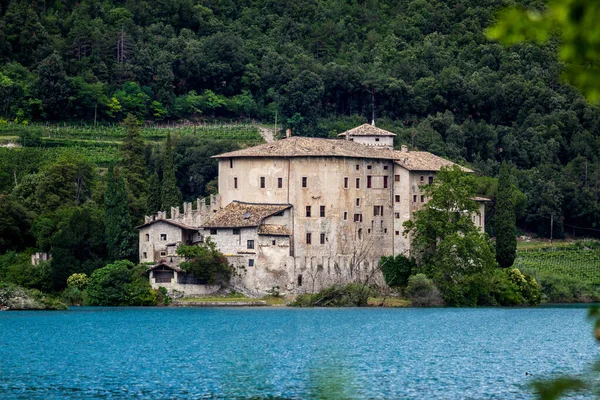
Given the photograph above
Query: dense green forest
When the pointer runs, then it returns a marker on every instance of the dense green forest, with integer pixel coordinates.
(424, 68)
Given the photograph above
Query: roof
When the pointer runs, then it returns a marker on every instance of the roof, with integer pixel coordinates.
(298, 146)
(273, 230)
(483, 199)
(367, 130)
(239, 214)
(163, 263)
(168, 221)
(422, 161)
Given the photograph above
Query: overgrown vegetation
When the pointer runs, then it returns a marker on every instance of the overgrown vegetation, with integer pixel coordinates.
(206, 263)
(350, 295)
(121, 283)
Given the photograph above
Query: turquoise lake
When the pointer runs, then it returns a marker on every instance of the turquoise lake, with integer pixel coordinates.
(289, 353)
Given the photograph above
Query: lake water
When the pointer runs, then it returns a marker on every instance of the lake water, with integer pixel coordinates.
(289, 353)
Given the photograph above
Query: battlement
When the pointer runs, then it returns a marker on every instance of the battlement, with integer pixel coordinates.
(194, 217)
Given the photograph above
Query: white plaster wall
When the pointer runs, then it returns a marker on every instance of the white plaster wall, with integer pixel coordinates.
(384, 141)
(154, 245)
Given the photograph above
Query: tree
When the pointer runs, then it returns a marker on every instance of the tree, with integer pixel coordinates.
(154, 197)
(396, 269)
(506, 235)
(120, 236)
(133, 168)
(171, 195)
(15, 223)
(121, 283)
(206, 263)
(52, 87)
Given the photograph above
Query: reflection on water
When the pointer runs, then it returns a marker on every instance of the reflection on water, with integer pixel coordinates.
(289, 353)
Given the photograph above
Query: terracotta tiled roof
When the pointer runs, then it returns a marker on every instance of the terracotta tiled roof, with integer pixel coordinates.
(241, 215)
(168, 221)
(273, 230)
(422, 161)
(367, 130)
(298, 146)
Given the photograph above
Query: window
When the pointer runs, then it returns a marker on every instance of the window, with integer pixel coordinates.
(357, 217)
(397, 215)
(322, 211)
(430, 180)
(235, 182)
(262, 182)
(322, 238)
(345, 215)
(250, 244)
(357, 202)
(422, 199)
(163, 236)
(368, 181)
(385, 167)
(300, 280)
(144, 255)
(397, 233)
(279, 183)
(236, 231)
(377, 210)
(414, 198)
(360, 233)
(279, 214)
(397, 198)
(377, 139)
(308, 211)
(422, 178)
(346, 183)
(308, 238)
(396, 178)
(357, 167)
(273, 242)
(369, 167)
(358, 183)
(251, 262)
(231, 163)
(369, 231)
(147, 237)
(163, 253)
(213, 231)
(304, 181)
(385, 182)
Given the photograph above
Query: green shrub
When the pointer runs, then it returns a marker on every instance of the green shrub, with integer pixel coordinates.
(19, 298)
(162, 296)
(396, 270)
(422, 291)
(564, 289)
(72, 296)
(121, 283)
(80, 281)
(350, 295)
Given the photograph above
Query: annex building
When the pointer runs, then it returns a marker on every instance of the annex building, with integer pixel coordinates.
(300, 213)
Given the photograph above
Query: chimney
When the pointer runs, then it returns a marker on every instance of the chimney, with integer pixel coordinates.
(373, 122)
(288, 133)
(404, 148)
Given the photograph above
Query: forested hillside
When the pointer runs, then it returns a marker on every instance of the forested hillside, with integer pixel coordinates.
(423, 68)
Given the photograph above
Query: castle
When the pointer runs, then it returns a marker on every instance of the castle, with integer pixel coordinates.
(299, 213)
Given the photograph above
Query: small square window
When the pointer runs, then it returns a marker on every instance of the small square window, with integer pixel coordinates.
(304, 181)
(163, 236)
(273, 242)
(397, 215)
(251, 262)
(308, 238)
(262, 182)
(357, 217)
(213, 231)
(322, 238)
(250, 244)
(385, 167)
(147, 237)
(397, 233)
(397, 198)
(369, 167)
(357, 202)
(422, 199)
(308, 211)
(357, 167)
(163, 253)
(396, 178)
(414, 198)
(322, 211)
(422, 179)
(377, 139)
(144, 255)
(279, 183)
(236, 231)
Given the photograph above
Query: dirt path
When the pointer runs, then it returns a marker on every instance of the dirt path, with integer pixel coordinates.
(267, 134)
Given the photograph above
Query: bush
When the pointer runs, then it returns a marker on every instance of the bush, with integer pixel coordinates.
(72, 296)
(564, 289)
(162, 296)
(19, 298)
(206, 263)
(119, 284)
(422, 292)
(396, 270)
(350, 295)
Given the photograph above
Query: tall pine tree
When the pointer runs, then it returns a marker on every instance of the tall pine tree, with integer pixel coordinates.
(506, 232)
(133, 168)
(120, 236)
(171, 195)
(154, 194)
